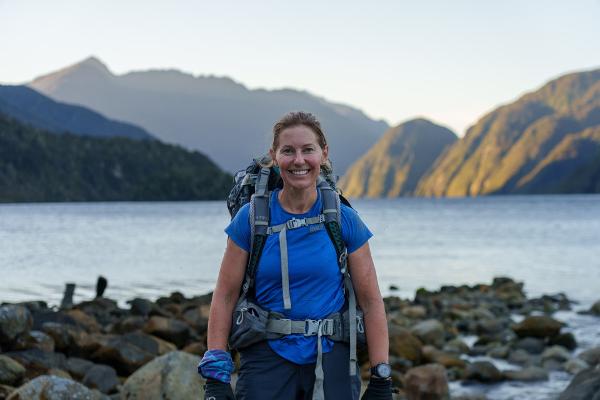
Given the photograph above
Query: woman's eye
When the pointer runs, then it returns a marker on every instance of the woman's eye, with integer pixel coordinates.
(309, 149)
(286, 151)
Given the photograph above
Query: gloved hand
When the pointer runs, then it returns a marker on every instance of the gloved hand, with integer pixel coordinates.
(217, 390)
(378, 389)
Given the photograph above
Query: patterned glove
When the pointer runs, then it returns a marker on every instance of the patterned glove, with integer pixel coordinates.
(217, 390)
(378, 389)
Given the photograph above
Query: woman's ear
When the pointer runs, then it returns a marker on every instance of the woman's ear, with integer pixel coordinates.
(325, 154)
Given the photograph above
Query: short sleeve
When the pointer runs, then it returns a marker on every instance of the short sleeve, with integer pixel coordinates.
(354, 230)
(239, 229)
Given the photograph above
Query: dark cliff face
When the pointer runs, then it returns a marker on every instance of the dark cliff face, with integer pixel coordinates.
(545, 142)
(396, 163)
(215, 115)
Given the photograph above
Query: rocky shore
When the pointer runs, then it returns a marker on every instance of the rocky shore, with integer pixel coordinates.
(150, 350)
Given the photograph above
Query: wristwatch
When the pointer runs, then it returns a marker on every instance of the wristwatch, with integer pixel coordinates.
(382, 371)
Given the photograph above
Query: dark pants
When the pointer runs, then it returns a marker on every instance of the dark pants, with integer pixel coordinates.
(264, 375)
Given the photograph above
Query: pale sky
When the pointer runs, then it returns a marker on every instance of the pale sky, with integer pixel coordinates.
(450, 61)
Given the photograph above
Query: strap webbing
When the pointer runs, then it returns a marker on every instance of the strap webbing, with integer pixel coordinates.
(285, 277)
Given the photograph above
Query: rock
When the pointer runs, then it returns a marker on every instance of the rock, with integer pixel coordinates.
(456, 346)
(530, 344)
(483, 371)
(498, 352)
(34, 340)
(125, 357)
(101, 377)
(527, 374)
(59, 372)
(150, 343)
(575, 366)
(584, 386)
(67, 336)
(172, 375)
(55, 388)
(521, 357)
(557, 353)
(14, 320)
(405, 345)
(11, 372)
(5, 391)
(426, 382)
(195, 318)
(433, 355)
(78, 367)
(38, 362)
(84, 320)
(197, 348)
(141, 307)
(104, 311)
(129, 324)
(591, 356)
(566, 340)
(415, 312)
(430, 331)
(538, 326)
(490, 326)
(172, 330)
(595, 308)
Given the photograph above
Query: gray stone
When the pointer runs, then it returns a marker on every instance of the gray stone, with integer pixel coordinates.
(47, 387)
(531, 345)
(456, 346)
(566, 340)
(557, 353)
(38, 362)
(498, 352)
(584, 386)
(172, 375)
(575, 366)
(591, 356)
(426, 382)
(14, 320)
(11, 372)
(171, 330)
(78, 367)
(34, 340)
(483, 371)
(521, 357)
(527, 374)
(430, 331)
(101, 377)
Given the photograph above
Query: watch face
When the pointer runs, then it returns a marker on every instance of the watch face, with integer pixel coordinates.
(384, 370)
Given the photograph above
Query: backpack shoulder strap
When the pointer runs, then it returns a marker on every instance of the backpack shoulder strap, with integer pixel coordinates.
(259, 222)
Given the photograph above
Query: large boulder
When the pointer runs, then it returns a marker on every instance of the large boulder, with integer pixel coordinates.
(11, 372)
(173, 375)
(55, 388)
(124, 356)
(427, 382)
(584, 386)
(430, 331)
(539, 326)
(14, 320)
(34, 340)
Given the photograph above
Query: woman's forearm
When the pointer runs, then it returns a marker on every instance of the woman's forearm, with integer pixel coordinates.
(376, 330)
(219, 320)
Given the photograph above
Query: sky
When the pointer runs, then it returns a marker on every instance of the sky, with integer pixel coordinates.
(449, 61)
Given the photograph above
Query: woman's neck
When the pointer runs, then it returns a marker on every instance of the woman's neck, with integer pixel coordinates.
(297, 201)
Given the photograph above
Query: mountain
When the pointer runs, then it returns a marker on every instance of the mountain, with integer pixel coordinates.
(37, 165)
(544, 142)
(33, 108)
(215, 115)
(396, 163)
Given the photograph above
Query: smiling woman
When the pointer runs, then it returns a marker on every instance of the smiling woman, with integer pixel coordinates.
(297, 320)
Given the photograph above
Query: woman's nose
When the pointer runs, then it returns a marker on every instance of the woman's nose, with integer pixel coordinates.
(298, 158)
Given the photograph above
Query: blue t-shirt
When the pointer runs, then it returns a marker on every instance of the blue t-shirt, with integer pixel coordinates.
(316, 284)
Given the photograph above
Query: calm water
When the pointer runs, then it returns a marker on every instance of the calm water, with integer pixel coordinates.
(551, 243)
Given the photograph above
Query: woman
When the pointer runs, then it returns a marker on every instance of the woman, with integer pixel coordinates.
(285, 368)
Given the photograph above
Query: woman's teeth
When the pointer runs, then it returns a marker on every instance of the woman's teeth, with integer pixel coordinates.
(299, 172)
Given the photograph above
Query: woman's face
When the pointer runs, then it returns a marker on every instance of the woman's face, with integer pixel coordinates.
(299, 157)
